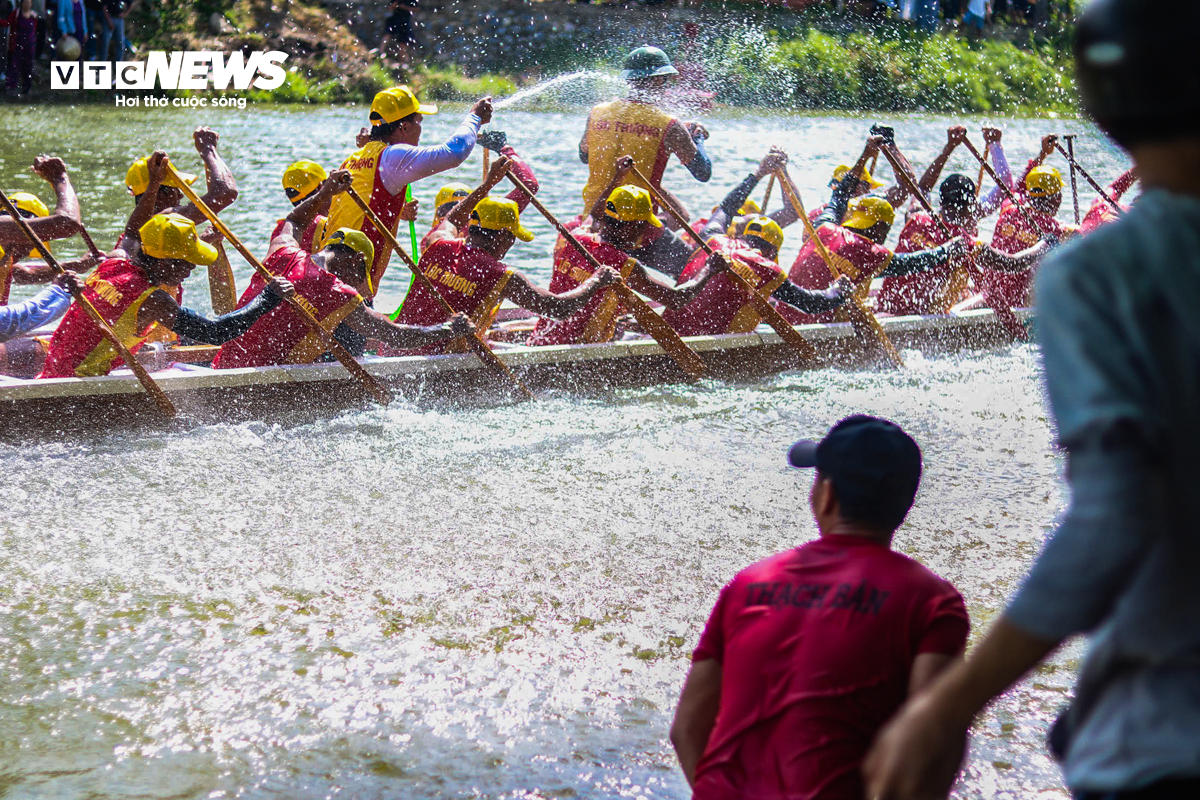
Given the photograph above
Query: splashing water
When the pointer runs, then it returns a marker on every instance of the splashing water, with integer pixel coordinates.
(594, 76)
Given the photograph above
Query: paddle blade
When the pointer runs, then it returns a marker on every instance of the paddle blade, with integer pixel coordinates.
(662, 333)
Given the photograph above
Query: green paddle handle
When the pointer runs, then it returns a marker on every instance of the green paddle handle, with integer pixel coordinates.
(412, 235)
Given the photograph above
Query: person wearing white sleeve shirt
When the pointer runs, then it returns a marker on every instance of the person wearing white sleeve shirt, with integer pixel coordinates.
(391, 158)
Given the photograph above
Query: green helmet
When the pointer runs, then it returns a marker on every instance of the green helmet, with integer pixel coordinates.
(647, 62)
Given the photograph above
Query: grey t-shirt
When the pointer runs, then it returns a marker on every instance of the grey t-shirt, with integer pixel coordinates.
(1122, 361)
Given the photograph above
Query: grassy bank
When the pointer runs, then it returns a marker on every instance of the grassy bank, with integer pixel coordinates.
(891, 70)
(814, 63)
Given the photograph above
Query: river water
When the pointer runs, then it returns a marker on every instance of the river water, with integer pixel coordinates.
(474, 602)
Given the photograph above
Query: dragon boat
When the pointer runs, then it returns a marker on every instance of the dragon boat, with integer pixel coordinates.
(300, 393)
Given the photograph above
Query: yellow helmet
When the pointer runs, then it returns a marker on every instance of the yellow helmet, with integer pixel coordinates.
(1043, 182)
(766, 229)
(174, 236)
(302, 179)
(450, 193)
(29, 203)
(357, 241)
(865, 212)
(841, 171)
(395, 104)
(500, 214)
(631, 204)
(138, 177)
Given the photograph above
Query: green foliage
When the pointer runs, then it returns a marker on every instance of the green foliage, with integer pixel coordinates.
(895, 71)
(449, 84)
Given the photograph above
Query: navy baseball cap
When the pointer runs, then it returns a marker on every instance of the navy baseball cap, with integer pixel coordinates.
(875, 467)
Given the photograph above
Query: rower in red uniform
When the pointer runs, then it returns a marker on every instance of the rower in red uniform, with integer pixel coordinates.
(857, 243)
(128, 292)
(325, 283)
(1102, 212)
(723, 307)
(449, 195)
(300, 180)
(1042, 198)
(470, 276)
(392, 159)
(628, 213)
(936, 290)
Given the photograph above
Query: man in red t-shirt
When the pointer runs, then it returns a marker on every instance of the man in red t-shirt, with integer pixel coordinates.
(809, 652)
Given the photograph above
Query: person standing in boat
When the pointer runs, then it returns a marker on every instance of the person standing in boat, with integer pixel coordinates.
(391, 160)
(129, 292)
(628, 213)
(637, 127)
(470, 276)
(854, 233)
(324, 283)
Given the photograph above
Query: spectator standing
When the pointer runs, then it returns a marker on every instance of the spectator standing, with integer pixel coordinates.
(22, 26)
(808, 653)
(95, 21)
(72, 21)
(399, 32)
(113, 31)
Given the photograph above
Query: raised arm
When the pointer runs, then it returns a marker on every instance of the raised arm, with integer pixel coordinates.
(460, 215)
(60, 224)
(623, 168)
(524, 293)
(156, 168)
(732, 203)
(1122, 184)
(954, 137)
(995, 196)
(402, 164)
(222, 188)
(687, 143)
(302, 215)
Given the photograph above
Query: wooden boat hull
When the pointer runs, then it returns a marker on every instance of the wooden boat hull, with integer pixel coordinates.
(301, 393)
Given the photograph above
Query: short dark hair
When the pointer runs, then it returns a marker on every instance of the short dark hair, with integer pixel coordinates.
(384, 130)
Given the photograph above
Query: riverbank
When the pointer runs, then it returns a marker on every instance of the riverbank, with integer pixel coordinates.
(753, 57)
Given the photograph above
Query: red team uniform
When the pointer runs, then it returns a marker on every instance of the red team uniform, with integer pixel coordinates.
(597, 321)
(117, 289)
(816, 645)
(470, 280)
(721, 306)
(809, 271)
(281, 336)
(1013, 234)
(934, 291)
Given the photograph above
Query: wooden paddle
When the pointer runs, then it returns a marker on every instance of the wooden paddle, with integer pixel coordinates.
(160, 397)
(767, 194)
(87, 239)
(1070, 154)
(762, 305)
(364, 378)
(863, 321)
(1075, 166)
(475, 341)
(1033, 223)
(1003, 312)
(652, 323)
(486, 162)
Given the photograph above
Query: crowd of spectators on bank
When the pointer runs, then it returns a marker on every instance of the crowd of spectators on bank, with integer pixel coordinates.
(45, 30)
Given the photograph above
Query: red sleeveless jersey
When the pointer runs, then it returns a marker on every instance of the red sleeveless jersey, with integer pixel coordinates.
(281, 336)
(471, 281)
(809, 271)
(1013, 234)
(721, 306)
(597, 321)
(308, 237)
(78, 349)
(932, 292)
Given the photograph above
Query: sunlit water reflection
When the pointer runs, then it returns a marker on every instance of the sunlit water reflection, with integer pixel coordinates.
(494, 602)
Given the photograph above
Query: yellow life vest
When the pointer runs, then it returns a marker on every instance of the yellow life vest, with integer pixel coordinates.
(624, 128)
